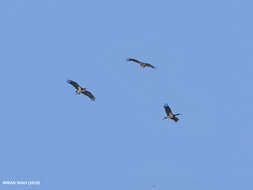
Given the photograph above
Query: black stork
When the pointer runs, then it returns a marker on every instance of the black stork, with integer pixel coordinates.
(142, 64)
(82, 90)
(169, 113)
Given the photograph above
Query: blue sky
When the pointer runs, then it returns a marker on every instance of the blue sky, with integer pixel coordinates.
(203, 54)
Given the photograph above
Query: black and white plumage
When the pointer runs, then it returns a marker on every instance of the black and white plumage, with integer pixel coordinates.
(142, 64)
(169, 113)
(82, 90)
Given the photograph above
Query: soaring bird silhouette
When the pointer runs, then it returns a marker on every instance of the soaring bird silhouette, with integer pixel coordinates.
(142, 64)
(82, 90)
(169, 113)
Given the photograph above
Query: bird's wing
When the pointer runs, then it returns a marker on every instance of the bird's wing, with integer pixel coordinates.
(73, 83)
(167, 109)
(134, 60)
(149, 65)
(89, 94)
(175, 118)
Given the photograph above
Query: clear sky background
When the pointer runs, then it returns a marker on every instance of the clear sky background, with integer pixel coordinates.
(203, 54)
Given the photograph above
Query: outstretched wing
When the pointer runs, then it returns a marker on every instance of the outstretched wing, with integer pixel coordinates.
(175, 118)
(167, 109)
(149, 65)
(89, 94)
(134, 60)
(73, 83)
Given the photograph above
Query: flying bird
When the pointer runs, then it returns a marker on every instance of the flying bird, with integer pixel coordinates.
(82, 90)
(169, 113)
(142, 64)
